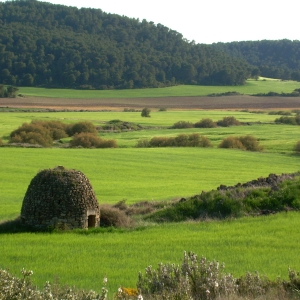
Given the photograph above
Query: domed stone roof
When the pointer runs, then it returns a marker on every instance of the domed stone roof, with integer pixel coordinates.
(60, 198)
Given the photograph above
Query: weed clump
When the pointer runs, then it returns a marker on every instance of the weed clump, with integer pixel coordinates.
(113, 216)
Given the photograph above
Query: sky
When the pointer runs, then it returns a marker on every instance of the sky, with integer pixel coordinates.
(209, 21)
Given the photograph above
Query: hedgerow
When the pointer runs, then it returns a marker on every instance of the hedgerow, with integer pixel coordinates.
(90, 140)
(181, 140)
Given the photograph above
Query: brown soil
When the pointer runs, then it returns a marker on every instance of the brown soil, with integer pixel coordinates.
(225, 102)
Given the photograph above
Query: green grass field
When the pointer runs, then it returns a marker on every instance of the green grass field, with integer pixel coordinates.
(251, 87)
(268, 245)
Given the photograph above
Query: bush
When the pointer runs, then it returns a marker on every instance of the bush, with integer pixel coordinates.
(297, 147)
(161, 142)
(89, 140)
(247, 142)
(86, 127)
(144, 143)
(56, 128)
(146, 112)
(113, 216)
(1, 142)
(32, 134)
(250, 143)
(228, 121)
(206, 123)
(182, 124)
(287, 120)
(232, 142)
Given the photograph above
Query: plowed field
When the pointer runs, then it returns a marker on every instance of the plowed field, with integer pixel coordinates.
(228, 102)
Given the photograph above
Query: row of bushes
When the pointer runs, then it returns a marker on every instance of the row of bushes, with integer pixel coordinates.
(247, 142)
(207, 123)
(44, 133)
(181, 140)
(195, 278)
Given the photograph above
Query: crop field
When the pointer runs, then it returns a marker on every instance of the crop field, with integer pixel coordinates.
(83, 258)
(251, 87)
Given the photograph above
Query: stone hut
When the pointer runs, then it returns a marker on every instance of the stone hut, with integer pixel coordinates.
(60, 198)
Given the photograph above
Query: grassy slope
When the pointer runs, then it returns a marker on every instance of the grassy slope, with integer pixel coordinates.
(251, 87)
(249, 244)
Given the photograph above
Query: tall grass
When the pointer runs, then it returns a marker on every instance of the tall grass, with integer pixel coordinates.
(251, 87)
(249, 244)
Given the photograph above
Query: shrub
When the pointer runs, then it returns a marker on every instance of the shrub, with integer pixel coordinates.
(1, 142)
(144, 143)
(57, 128)
(231, 142)
(182, 124)
(297, 147)
(247, 142)
(113, 216)
(206, 123)
(89, 140)
(286, 120)
(145, 112)
(250, 143)
(228, 121)
(32, 134)
(161, 142)
(87, 127)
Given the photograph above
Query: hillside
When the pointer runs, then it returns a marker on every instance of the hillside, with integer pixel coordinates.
(42, 44)
(275, 59)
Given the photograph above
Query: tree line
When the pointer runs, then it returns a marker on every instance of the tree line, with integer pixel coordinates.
(43, 44)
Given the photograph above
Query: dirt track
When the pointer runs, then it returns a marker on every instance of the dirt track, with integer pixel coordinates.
(228, 102)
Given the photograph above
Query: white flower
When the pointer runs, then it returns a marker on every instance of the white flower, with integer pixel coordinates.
(140, 297)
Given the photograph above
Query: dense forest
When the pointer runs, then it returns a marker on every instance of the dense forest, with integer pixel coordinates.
(275, 59)
(43, 44)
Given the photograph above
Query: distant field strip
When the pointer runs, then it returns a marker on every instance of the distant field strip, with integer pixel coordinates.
(251, 87)
(269, 245)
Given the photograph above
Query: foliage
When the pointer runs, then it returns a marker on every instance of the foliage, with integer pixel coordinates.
(267, 57)
(297, 147)
(205, 123)
(228, 121)
(1, 142)
(181, 140)
(182, 124)
(88, 48)
(234, 202)
(90, 140)
(82, 127)
(247, 142)
(14, 288)
(113, 216)
(32, 134)
(118, 125)
(146, 112)
(289, 120)
(8, 92)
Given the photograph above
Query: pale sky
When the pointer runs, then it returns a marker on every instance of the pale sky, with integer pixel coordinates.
(209, 21)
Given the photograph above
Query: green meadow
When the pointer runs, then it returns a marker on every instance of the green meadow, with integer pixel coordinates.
(252, 86)
(267, 244)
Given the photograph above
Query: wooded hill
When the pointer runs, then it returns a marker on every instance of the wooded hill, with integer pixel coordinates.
(43, 44)
(274, 59)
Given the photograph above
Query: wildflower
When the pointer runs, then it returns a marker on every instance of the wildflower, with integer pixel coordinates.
(105, 280)
(140, 297)
(216, 284)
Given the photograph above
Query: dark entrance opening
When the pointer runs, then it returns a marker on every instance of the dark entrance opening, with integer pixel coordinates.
(91, 221)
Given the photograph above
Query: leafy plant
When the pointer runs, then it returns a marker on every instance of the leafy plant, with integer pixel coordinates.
(205, 123)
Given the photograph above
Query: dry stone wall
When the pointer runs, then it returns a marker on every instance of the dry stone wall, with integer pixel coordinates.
(60, 198)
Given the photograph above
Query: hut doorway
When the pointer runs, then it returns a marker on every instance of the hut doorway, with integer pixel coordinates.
(91, 221)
